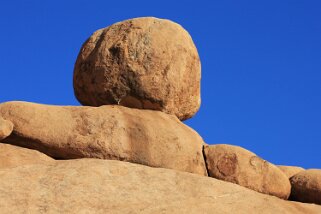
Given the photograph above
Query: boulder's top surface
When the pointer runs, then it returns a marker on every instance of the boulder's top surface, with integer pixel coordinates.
(100, 186)
(290, 170)
(145, 63)
(13, 156)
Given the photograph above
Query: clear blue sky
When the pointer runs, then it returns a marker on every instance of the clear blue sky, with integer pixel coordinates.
(261, 64)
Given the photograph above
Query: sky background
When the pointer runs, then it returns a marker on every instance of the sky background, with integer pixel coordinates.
(261, 64)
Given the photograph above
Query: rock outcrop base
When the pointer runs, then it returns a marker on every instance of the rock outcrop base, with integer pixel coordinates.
(104, 186)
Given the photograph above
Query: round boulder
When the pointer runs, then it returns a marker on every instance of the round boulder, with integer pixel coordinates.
(144, 63)
(240, 166)
(306, 186)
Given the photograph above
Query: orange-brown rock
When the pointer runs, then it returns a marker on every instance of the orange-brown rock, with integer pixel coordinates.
(290, 170)
(144, 63)
(237, 165)
(13, 156)
(146, 137)
(306, 186)
(6, 128)
(104, 186)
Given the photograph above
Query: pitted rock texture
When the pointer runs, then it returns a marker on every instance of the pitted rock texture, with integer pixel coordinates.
(144, 63)
(104, 186)
(13, 156)
(290, 170)
(306, 186)
(237, 165)
(6, 128)
(146, 137)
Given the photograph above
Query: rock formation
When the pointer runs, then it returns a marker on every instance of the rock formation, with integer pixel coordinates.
(145, 63)
(147, 137)
(140, 78)
(104, 186)
(237, 165)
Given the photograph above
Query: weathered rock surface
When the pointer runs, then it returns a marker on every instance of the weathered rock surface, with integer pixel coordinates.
(146, 137)
(13, 156)
(290, 170)
(306, 186)
(237, 165)
(144, 63)
(6, 128)
(104, 186)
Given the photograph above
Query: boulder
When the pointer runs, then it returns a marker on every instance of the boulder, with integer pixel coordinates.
(13, 156)
(144, 63)
(6, 128)
(240, 166)
(290, 170)
(306, 186)
(146, 137)
(107, 186)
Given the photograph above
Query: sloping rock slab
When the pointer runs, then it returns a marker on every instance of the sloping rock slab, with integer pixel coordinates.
(104, 186)
(13, 156)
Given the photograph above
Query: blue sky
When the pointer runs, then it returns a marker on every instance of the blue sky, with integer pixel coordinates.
(261, 64)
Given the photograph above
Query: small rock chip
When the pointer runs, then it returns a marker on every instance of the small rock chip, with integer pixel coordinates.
(6, 128)
(237, 165)
(306, 186)
(144, 63)
(290, 170)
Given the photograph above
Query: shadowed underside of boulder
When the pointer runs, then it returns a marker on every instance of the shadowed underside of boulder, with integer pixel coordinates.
(306, 186)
